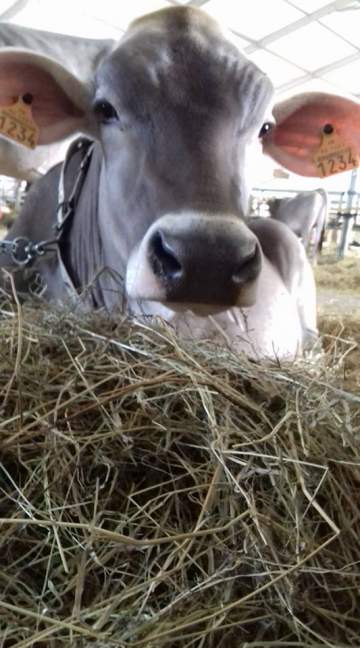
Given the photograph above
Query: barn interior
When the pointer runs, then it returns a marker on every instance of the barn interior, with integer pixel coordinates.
(156, 492)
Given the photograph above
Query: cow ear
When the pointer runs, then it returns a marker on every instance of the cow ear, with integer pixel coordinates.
(296, 137)
(60, 103)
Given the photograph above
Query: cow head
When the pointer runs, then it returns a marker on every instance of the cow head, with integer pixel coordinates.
(175, 108)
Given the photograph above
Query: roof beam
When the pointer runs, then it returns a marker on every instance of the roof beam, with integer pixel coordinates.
(289, 29)
(13, 9)
(319, 73)
(196, 3)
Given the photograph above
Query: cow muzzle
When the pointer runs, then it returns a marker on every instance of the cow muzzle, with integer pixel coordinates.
(191, 260)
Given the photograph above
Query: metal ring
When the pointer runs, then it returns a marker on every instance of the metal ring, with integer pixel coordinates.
(22, 245)
(37, 249)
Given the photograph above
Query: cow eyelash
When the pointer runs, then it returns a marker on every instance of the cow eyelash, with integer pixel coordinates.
(105, 112)
(266, 128)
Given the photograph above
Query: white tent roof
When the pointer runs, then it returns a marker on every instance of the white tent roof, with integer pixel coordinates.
(301, 44)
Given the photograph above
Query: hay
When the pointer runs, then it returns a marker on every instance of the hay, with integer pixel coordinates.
(341, 275)
(157, 493)
(341, 338)
(339, 313)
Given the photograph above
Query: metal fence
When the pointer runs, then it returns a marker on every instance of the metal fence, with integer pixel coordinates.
(337, 204)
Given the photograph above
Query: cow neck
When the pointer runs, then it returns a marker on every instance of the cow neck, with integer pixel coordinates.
(80, 249)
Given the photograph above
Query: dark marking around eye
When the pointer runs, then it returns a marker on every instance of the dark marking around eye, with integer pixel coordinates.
(105, 112)
(265, 129)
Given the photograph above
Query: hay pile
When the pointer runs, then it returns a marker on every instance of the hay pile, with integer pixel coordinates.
(157, 493)
(341, 275)
(342, 340)
(338, 284)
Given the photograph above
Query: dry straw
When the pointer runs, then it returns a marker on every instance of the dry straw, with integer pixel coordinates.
(160, 493)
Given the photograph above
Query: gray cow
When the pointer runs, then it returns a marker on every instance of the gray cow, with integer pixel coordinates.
(159, 226)
(306, 215)
(81, 57)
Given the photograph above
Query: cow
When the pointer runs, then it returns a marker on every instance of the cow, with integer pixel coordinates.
(154, 220)
(306, 215)
(81, 57)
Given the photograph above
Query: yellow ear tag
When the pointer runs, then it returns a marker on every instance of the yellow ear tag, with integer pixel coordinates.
(334, 155)
(17, 123)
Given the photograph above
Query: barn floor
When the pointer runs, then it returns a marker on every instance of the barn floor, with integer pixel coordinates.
(332, 302)
(338, 296)
(338, 284)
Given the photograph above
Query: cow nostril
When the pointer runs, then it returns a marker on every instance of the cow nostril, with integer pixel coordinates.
(163, 258)
(248, 268)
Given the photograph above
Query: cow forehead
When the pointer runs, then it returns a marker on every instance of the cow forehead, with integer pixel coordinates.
(174, 18)
(187, 45)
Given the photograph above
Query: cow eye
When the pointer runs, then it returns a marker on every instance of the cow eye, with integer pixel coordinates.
(105, 112)
(266, 128)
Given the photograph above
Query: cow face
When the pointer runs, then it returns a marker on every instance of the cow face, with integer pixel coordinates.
(177, 108)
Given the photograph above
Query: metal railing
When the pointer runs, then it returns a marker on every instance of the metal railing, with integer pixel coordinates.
(337, 204)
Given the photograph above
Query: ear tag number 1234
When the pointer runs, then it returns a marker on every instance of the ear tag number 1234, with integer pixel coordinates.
(334, 155)
(17, 123)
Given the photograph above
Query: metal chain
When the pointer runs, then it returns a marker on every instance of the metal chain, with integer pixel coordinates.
(23, 250)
